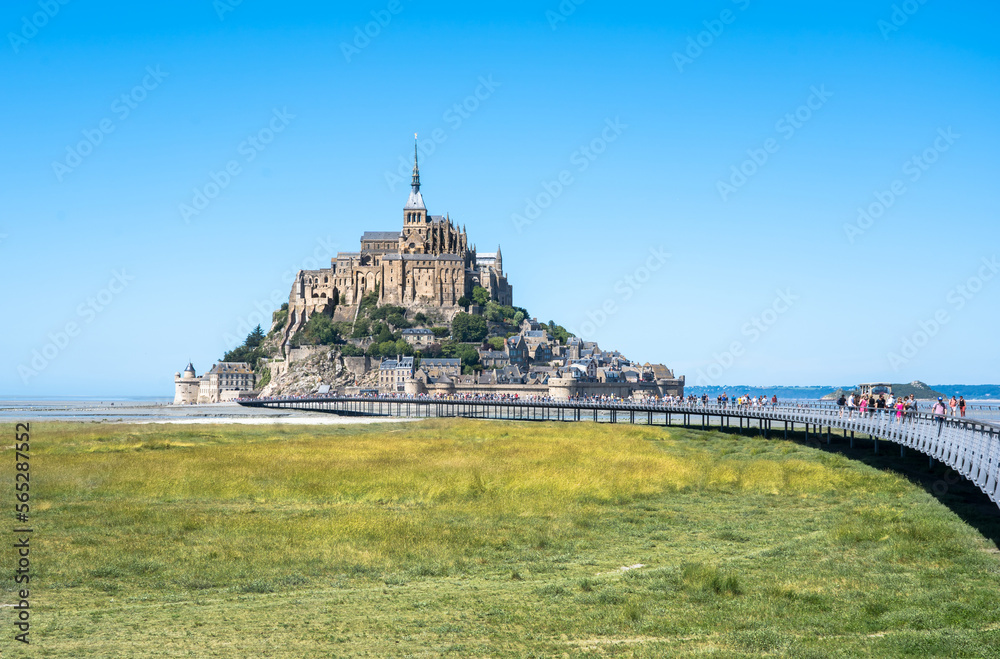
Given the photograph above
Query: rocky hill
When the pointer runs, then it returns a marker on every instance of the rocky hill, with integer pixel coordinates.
(305, 376)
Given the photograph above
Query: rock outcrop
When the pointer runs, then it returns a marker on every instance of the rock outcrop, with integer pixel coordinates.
(304, 374)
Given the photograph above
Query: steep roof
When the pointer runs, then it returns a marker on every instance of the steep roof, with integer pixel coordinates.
(381, 235)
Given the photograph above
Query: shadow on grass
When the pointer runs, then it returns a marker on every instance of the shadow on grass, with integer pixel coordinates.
(959, 494)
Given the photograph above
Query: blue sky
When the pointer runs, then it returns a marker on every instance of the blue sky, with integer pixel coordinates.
(651, 244)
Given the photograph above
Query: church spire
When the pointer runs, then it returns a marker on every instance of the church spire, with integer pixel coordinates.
(416, 200)
(416, 167)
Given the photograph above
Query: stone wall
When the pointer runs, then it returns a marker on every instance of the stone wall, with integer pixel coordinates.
(358, 366)
(303, 353)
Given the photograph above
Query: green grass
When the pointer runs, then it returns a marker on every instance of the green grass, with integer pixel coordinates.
(466, 538)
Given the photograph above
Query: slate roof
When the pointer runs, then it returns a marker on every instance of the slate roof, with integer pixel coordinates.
(441, 362)
(381, 235)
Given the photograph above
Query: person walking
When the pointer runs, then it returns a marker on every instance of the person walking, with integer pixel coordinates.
(953, 404)
(939, 411)
(850, 406)
(841, 402)
(900, 407)
(961, 405)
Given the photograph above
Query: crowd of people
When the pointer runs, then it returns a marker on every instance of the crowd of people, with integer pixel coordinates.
(862, 405)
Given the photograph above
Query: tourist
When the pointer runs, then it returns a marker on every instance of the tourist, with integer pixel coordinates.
(900, 407)
(850, 406)
(939, 411)
(953, 404)
(863, 407)
(961, 405)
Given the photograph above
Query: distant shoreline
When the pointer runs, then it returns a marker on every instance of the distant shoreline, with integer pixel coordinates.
(138, 412)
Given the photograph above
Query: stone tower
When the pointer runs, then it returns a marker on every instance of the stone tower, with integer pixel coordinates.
(415, 218)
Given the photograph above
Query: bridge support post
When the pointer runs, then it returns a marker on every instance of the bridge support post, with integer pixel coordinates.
(828, 439)
(786, 430)
(876, 444)
(852, 439)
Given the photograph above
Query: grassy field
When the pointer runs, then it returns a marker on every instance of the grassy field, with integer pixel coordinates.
(466, 538)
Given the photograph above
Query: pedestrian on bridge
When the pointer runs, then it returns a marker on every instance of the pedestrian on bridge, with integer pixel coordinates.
(961, 405)
(953, 404)
(939, 411)
(840, 403)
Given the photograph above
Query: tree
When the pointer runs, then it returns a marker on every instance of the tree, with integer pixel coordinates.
(467, 328)
(497, 343)
(464, 302)
(480, 295)
(250, 352)
(318, 330)
(518, 317)
(467, 353)
(559, 332)
(432, 351)
(255, 337)
(493, 312)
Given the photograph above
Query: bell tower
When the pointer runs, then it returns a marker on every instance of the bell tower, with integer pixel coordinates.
(415, 212)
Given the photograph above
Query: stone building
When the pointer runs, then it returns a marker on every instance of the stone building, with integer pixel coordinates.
(418, 337)
(426, 266)
(186, 387)
(393, 374)
(225, 382)
(442, 367)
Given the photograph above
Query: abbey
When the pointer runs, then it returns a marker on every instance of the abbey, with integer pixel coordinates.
(427, 266)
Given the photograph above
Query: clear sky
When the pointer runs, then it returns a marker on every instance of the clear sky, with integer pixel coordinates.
(600, 143)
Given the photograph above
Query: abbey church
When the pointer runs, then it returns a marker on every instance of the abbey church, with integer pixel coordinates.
(427, 266)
